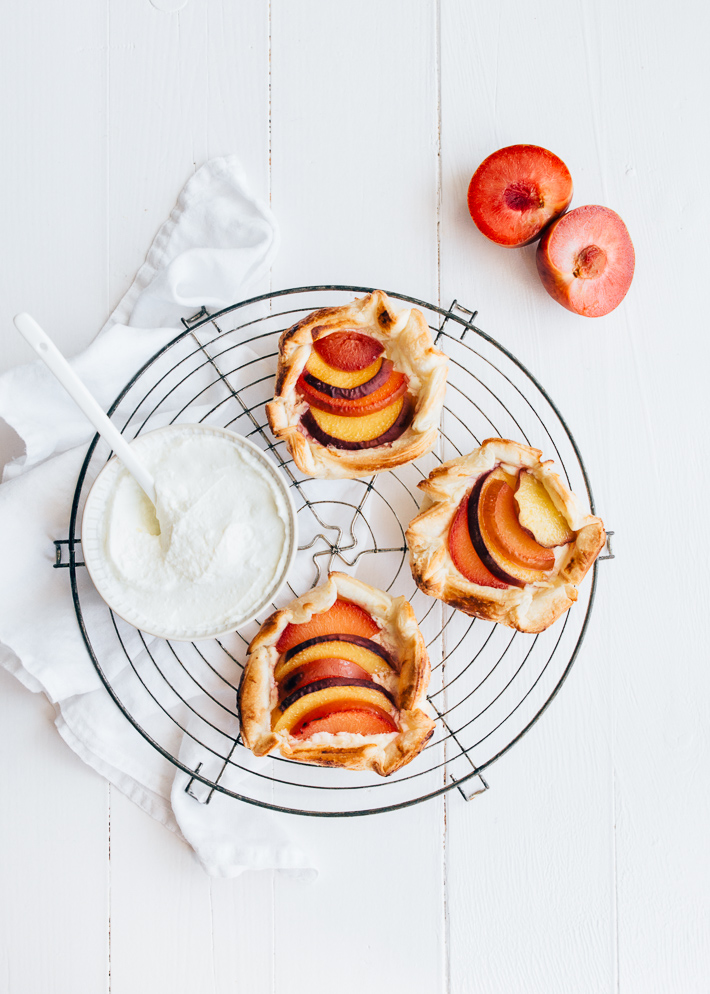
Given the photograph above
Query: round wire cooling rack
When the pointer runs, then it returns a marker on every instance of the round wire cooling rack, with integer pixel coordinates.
(489, 684)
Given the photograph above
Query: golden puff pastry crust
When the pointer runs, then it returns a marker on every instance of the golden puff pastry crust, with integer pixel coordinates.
(407, 343)
(400, 635)
(531, 608)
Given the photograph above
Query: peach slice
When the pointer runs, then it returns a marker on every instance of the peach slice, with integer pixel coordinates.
(400, 425)
(497, 536)
(321, 669)
(347, 697)
(538, 515)
(350, 393)
(348, 350)
(367, 403)
(320, 370)
(355, 721)
(516, 191)
(370, 661)
(361, 429)
(463, 554)
(342, 618)
(586, 261)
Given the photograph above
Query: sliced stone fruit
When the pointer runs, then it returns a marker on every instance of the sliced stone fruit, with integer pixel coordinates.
(342, 618)
(370, 656)
(463, 554)
(348, 350)
(496, 533)
(321, 371)
(327, 683)
(355, 721)
(346, 697)
(356, 392)
(321, 669)
(357, 404)
(367, 432)
(538, 515)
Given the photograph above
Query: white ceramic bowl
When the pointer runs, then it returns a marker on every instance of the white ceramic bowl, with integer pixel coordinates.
(103, 577)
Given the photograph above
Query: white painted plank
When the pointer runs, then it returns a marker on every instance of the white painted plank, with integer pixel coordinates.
(183, 88)
(567, 869)
(354, 184)
(54, 815)
(54, 866)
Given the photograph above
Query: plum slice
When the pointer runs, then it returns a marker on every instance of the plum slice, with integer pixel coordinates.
(331, 681)
(383, 389)
(321, 371)
(343, 617)
(464, 556)
(485, 532)
(321, 669)
(345, 697)
(357, 390)
(316, 424)
(586, 261)
(348, 350)
(355, 721)
(516, 191)
(369, 655)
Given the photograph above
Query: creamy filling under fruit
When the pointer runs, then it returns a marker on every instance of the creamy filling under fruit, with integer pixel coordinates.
(218, 544)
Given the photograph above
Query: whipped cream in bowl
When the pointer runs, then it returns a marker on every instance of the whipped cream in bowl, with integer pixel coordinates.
(213, 552)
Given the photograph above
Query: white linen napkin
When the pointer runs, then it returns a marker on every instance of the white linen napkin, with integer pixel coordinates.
(217, 241)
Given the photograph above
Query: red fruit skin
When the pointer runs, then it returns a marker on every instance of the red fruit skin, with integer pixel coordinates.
(343, 617)
(351, 393)
(362, 720)
(391, 435)
(348, 350)
(516, 191)
(463, 554)
(392, 389)
(586, 260)
(321, 669)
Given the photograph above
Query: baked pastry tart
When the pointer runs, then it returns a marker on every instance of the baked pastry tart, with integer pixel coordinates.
(338, 678)
(359, 389)
(500, 537)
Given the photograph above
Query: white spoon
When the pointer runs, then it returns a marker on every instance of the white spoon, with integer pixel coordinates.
(50, 355)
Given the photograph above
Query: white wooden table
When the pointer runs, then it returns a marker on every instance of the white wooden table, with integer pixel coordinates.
(585, 867)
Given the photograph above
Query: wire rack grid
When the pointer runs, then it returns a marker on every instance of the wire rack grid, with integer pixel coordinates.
(489, 684)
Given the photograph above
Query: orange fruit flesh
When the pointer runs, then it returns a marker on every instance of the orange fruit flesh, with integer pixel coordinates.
(342, 618)
(498, 514)
(390, 391)
(345, 697)
(367, 660)
(356, 721)
(463, 554)
(358, 429)
(318, 367)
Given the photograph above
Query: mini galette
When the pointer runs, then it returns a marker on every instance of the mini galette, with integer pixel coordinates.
(500, 537)
(359, 389)
(338, 678)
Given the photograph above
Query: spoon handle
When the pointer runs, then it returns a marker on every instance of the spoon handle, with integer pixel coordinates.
(50, 355)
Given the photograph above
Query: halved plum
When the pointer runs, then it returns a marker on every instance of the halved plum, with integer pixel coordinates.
(355, 721)
(353, 432)
(321, 669)
(463, 554)
(345, 697)
(358, 403)
(342, 618)
(348, 350)
(320, 370)
(353, 648)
